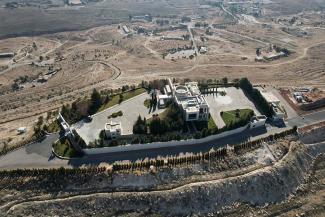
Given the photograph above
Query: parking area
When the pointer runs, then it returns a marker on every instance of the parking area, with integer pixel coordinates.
(234, 99)
(131, 109)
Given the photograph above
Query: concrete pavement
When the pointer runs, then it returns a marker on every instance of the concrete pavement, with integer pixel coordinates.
(131, 109)
(234, 99)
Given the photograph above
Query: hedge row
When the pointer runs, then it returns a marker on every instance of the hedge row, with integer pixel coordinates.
(53, 171)
(257, 143)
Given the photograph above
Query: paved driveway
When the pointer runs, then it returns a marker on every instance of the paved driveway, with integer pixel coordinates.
(234, 99)
(35, 155)
(131, 109)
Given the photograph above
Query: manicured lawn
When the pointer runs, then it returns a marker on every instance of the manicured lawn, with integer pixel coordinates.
(231, 117)
(115, 99)
(63, 149)
(210, 124)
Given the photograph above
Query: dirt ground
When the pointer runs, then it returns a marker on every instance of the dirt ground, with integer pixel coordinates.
(103, 58)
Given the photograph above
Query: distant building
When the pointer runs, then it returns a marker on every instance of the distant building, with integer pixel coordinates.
(274, 56)
(190, 99)
(113, 130)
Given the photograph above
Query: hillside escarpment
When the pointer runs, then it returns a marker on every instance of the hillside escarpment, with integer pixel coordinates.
(270, 184)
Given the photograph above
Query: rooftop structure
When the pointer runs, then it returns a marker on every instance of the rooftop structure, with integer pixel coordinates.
(113, 130)
(270, 97)
(190, 99)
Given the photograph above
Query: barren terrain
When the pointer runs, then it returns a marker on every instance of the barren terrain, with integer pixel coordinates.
(62, 52)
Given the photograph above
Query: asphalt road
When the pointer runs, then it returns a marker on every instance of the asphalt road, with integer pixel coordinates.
(38, 155)
(307, 119)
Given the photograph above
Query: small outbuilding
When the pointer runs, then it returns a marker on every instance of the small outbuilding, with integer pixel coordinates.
(113, 130)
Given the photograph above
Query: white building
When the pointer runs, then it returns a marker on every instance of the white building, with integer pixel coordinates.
(113, 130)
(275, 103)
(203, 50)
(190, 99)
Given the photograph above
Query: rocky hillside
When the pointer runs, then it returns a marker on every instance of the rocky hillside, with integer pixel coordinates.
(266, 185)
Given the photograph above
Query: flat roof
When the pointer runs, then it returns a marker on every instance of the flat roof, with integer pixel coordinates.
(270, 97)
(168, 89)
(163, 96)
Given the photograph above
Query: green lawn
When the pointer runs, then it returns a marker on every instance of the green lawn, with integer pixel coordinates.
(115, 99)
(210, 124)
(53, 127)
(230, 116)
(63, 148)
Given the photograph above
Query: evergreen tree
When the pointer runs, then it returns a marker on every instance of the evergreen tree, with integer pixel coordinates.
(95, 102)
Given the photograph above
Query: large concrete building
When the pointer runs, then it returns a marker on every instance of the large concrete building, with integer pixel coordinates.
(190, 99)
(275, 103)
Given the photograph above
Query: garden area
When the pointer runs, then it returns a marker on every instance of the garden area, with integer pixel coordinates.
(237, 117)
(210, 124)
(63, 148)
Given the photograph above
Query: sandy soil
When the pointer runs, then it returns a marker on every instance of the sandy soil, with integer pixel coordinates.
(104, 58)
